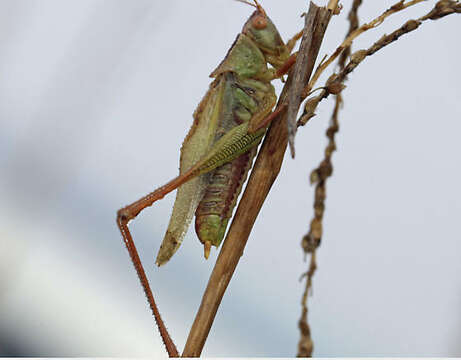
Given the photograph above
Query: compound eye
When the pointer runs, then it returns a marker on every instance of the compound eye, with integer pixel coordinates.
(259, 22)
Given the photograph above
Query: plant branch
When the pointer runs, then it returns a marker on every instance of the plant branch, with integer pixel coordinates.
(311, 240)
(300, 77)
(441, 9)
(325, 169)
(320, 175)
(305, 344)
(399, 6)
(265, 171)
(301, 73)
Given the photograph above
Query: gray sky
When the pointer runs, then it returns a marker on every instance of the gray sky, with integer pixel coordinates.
(95, 99)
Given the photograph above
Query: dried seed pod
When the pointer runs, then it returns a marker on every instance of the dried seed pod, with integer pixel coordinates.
(309, 110)
(358, 56)
(335, 88)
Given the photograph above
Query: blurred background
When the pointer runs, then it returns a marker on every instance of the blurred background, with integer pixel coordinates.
(96, 97)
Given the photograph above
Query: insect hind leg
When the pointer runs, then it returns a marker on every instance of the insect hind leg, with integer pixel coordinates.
(124, 216)
(122, 223)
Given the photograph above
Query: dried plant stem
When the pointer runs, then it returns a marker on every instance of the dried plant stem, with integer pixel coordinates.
(320, 175)
(353, 25)
(325, 169)
(301, 72)
(305, 344)
(399, 6)
(312, 239)
(441, 9)
(265, 171)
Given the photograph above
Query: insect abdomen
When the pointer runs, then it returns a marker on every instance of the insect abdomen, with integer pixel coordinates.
(226, 182)
(216, 207)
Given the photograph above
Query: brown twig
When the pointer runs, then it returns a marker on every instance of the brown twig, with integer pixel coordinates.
(320, 175)
(305, 344)
(353, 25)
(441, 9)
(266, 169)
(325, 169)
(312, 239)
(301, 74)
(399, 6)
(299, 79)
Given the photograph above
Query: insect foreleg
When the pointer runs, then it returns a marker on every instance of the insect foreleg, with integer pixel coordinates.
(286, 66)
(282, 68)
(292, 42)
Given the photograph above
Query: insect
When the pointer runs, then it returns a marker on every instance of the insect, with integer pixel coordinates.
(218, 151)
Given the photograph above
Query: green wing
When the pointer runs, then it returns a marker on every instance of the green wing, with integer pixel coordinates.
(197, 143)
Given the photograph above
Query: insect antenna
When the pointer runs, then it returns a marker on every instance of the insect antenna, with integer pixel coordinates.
(255, 5)
(246, 2)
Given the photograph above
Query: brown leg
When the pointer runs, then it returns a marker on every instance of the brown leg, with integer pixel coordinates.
(124, 216)
(169, 344)
(282, 70)
(292, 42)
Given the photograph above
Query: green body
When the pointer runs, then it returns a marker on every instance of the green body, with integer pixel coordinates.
(224, 131)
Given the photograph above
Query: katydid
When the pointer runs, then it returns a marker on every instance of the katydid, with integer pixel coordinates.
(218, 151)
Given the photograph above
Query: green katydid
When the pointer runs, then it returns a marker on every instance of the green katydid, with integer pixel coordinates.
(218, 151)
